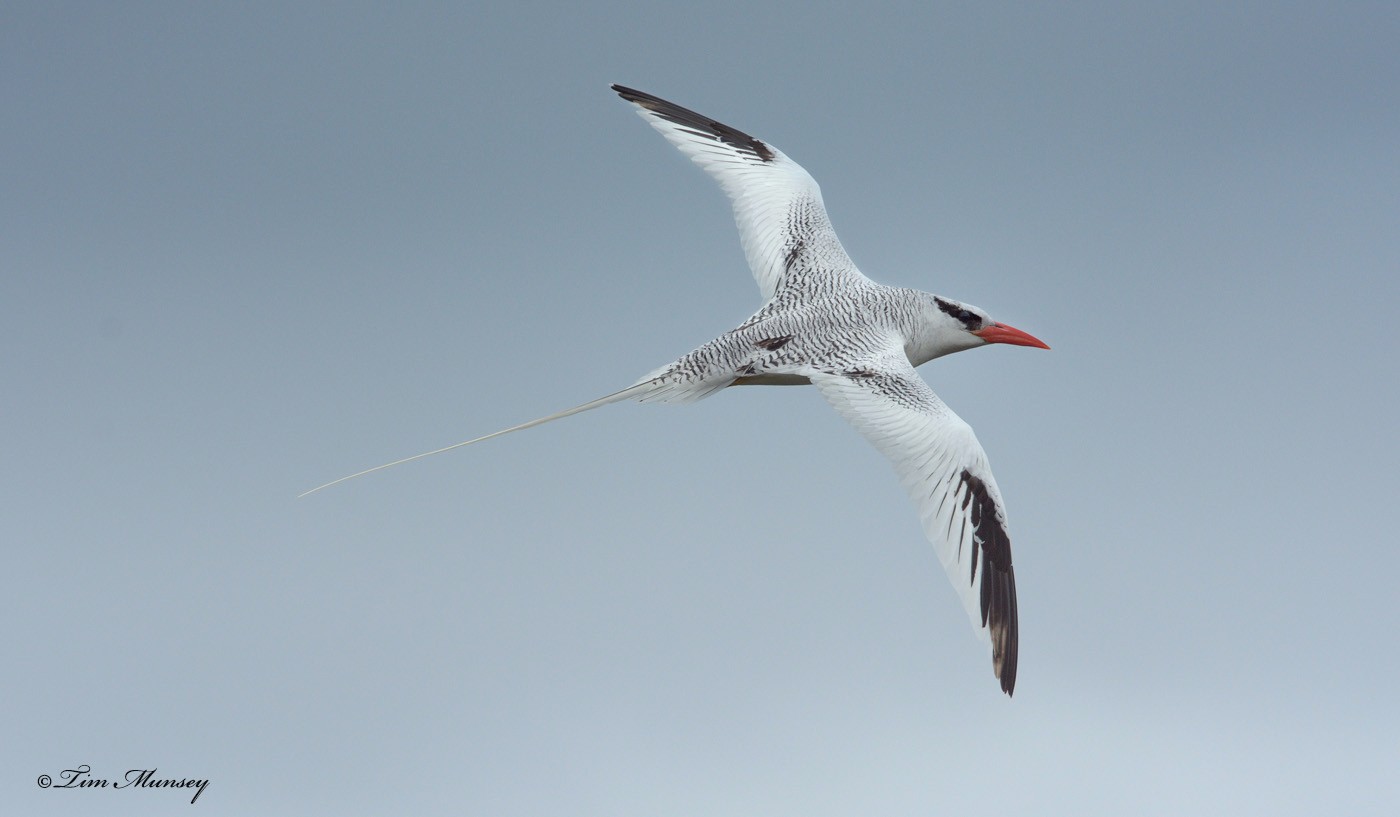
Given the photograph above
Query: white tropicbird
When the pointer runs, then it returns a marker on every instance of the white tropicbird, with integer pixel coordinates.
(822, 322)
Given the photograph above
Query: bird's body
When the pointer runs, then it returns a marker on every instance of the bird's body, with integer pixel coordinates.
(822, 322)
(783, 344)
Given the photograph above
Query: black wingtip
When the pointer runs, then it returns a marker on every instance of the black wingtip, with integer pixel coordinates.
(639, 97)
(698, 122)
(1006, 638)
(991, 546)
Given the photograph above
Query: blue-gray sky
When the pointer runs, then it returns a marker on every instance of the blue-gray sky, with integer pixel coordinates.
(247, 249)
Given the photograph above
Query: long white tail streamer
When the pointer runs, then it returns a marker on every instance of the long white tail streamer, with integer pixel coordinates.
(630, 391)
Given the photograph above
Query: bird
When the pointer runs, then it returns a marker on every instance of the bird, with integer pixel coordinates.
(823, 323)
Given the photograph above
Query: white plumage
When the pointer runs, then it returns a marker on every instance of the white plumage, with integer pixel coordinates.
(823, 322)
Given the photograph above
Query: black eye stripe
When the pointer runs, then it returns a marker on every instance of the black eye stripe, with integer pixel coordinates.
(967, 317)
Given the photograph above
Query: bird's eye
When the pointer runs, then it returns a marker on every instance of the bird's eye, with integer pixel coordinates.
(967, 317)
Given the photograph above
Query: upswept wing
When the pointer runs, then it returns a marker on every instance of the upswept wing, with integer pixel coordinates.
(946, 473)
(782, 221)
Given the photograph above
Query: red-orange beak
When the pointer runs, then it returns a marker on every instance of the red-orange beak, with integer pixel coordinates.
(1001, 333)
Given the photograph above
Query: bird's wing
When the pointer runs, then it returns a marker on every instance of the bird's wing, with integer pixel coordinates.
(783, 225)
(945, 471)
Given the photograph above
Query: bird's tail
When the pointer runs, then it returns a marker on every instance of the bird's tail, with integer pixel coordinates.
(637, 390)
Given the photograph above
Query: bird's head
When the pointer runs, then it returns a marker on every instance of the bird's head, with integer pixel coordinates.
(950, 326)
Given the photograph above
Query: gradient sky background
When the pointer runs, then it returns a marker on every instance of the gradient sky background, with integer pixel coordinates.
(248, 249)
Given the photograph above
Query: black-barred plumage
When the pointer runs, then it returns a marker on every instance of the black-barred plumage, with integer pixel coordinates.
(824, 323)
